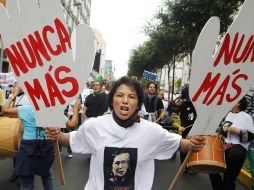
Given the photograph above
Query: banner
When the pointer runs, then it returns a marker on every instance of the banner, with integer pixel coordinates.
(148, 77)
(50, 66)
(219, 80)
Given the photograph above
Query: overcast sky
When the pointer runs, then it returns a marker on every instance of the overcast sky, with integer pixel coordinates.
(120, 23)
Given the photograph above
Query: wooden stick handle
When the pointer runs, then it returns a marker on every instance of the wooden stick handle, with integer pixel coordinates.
(180, 171)
(188, 126)
(59, 163)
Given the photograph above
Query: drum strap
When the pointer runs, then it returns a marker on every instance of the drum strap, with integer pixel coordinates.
(229, 145)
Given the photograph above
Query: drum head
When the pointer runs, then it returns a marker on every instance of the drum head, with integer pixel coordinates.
(207, 168)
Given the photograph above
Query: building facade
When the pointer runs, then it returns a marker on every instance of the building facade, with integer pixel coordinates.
(100, 47)
(76, 12)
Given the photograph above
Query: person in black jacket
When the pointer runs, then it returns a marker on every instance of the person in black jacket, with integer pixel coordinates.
(96, 104)
(188, 116)
(153, 104)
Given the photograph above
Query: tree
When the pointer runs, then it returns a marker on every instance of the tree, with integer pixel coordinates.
(188, 17)
(174, 31)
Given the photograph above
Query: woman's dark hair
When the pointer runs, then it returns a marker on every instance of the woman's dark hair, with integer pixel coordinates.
(129, 82)
(122, 151)
(185, 92)
(243, 104)
(147, 86)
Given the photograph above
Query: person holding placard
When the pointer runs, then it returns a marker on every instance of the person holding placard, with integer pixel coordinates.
(237, 140)
(188, 116)
(124, 130)
(19, 100)
(35, 155)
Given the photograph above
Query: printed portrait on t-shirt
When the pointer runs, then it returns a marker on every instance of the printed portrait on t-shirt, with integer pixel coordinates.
(119, 168)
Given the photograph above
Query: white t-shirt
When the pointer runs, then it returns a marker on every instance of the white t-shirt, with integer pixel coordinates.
(242, 121)
(103, 138)
(142, 110)
(165, 104)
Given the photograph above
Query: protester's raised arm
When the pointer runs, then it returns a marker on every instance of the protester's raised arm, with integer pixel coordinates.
(74, 120)
(8, 109)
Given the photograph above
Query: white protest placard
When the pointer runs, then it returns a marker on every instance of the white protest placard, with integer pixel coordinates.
(220, 79)
(50, 67)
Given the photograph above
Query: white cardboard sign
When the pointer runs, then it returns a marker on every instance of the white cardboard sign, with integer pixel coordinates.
(50, 66)
(218, 81)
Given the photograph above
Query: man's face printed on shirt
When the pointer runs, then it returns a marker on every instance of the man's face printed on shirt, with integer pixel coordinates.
(119, 168)
(120, 164)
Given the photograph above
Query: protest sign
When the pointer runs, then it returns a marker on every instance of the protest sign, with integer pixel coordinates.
(50, 67)
(219, 80)
(148, 77)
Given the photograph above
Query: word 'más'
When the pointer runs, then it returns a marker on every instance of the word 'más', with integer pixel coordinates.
(235, 53)
(38, 46)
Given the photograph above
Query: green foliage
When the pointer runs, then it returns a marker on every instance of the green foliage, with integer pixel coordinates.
(190, 16)
(175, 31)
(141, 59)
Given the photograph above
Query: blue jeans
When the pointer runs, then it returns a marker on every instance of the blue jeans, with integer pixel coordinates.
(27, 182)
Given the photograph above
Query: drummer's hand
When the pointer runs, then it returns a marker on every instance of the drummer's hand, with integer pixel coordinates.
(233, 130)
(182, 129)
(53, 133)
(197, 143)
(16, 90)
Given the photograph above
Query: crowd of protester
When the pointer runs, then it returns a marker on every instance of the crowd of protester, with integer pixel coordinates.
(102, 100)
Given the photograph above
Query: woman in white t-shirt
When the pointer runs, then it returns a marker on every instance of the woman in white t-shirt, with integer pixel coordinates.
(237, 128)
(123, 146)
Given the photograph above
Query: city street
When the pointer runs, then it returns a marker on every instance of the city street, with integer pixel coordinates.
(76, 174)
(184, 65)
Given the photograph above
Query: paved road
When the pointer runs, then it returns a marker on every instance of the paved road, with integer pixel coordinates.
(76, 174)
